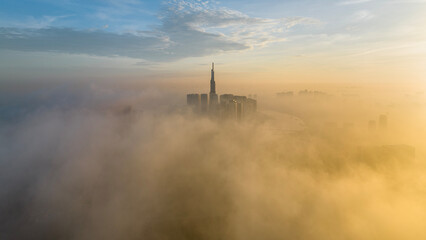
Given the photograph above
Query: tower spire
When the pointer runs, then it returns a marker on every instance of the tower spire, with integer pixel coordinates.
(212, 82)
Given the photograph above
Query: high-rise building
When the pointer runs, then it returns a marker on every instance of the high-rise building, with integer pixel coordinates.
(230, 110)
(225, 98)
(212, 82)
(213, 102)
(194, 101)
(241, 102)
(250, 106)
(204, 102)
(213, 99)
(230, 107)
(240, 99)
(240, 110)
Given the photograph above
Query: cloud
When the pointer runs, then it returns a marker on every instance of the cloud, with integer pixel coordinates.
(293, 21)
(73, 41)
(407, 1)
(179, 43)
(352, 2)
(187, 29)
(362, 16)
(32, 22)
(100, 168)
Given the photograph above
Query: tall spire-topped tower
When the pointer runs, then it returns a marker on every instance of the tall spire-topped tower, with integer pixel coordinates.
(230, 106)
(212, 82)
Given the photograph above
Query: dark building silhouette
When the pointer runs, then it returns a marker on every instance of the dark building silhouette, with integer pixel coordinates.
(312, 93)
(194, 101)
(224, 98)
(212, 82)
(285, 94)
(230, 110)
(251, 105)
(204, 103)
(239, 110)
(229, 107)
(213, 103)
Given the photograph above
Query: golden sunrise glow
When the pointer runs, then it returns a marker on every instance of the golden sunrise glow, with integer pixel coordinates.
(308, 125)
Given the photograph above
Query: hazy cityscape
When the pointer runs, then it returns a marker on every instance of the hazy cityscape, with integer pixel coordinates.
(229, 106)
(116, 124)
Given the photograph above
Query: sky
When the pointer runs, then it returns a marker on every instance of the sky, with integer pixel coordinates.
(252, 41)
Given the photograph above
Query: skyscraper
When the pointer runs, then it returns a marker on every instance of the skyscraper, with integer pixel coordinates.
(204, 102)
(230, 107)
(212, 82)
(194, 101)
(213, 96)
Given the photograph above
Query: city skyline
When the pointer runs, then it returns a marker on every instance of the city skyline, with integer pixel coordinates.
(276, 41)
(230, 106)
(212, 120)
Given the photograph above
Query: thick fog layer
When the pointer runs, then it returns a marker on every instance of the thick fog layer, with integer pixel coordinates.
(96, 162)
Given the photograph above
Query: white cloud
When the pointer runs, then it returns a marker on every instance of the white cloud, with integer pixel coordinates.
(362, 16)
(351, 2)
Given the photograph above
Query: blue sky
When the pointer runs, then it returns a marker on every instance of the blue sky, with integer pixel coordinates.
(128, 15)
(165, 35)
(80, 14)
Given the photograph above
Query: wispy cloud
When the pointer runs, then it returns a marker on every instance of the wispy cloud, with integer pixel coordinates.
(407, 1)
(398, 50)
(351, 2)
(187, 29)
(362, 16)
(32, 22)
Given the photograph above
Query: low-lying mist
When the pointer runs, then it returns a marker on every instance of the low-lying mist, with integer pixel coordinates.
(97, 162)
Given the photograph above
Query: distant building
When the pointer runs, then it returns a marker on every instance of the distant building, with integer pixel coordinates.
(229, 106)
(230, 110)
(251, 106)
(240, 99)
(213, 98)
(225, 98)
(213, 102)
(312, 93)
(194, 101)
(285, 94)
(204, 102)
(212, 82)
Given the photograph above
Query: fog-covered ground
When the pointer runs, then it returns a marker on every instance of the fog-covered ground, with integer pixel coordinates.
(98, 161)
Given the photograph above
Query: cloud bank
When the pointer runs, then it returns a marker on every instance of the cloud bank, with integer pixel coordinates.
(120, 166)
